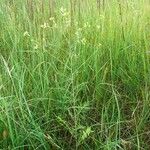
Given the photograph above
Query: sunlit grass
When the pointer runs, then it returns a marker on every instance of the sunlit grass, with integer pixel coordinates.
(74, 74)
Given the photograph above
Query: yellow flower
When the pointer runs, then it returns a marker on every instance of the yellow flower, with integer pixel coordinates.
(83, 41)
(45, 25)
(64, 12)
(87, 25)
(62, 9)
(26, 34)
(51, 18)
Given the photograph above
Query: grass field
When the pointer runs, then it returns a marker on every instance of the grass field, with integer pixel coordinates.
(75, 74)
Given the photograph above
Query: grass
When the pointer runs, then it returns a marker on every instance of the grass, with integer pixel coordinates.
(75, 74)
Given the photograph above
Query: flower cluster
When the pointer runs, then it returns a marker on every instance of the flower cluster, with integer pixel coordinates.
(86, 25)
(45, 25)
(26, 34)
(64, 12)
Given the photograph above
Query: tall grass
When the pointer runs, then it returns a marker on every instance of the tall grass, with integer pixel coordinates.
(75, 74)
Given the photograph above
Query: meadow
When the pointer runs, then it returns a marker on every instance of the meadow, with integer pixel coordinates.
(75, 74)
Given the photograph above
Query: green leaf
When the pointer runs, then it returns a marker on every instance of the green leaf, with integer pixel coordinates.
(86, 133)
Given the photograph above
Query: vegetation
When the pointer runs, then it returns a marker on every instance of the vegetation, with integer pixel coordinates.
(75, 74)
